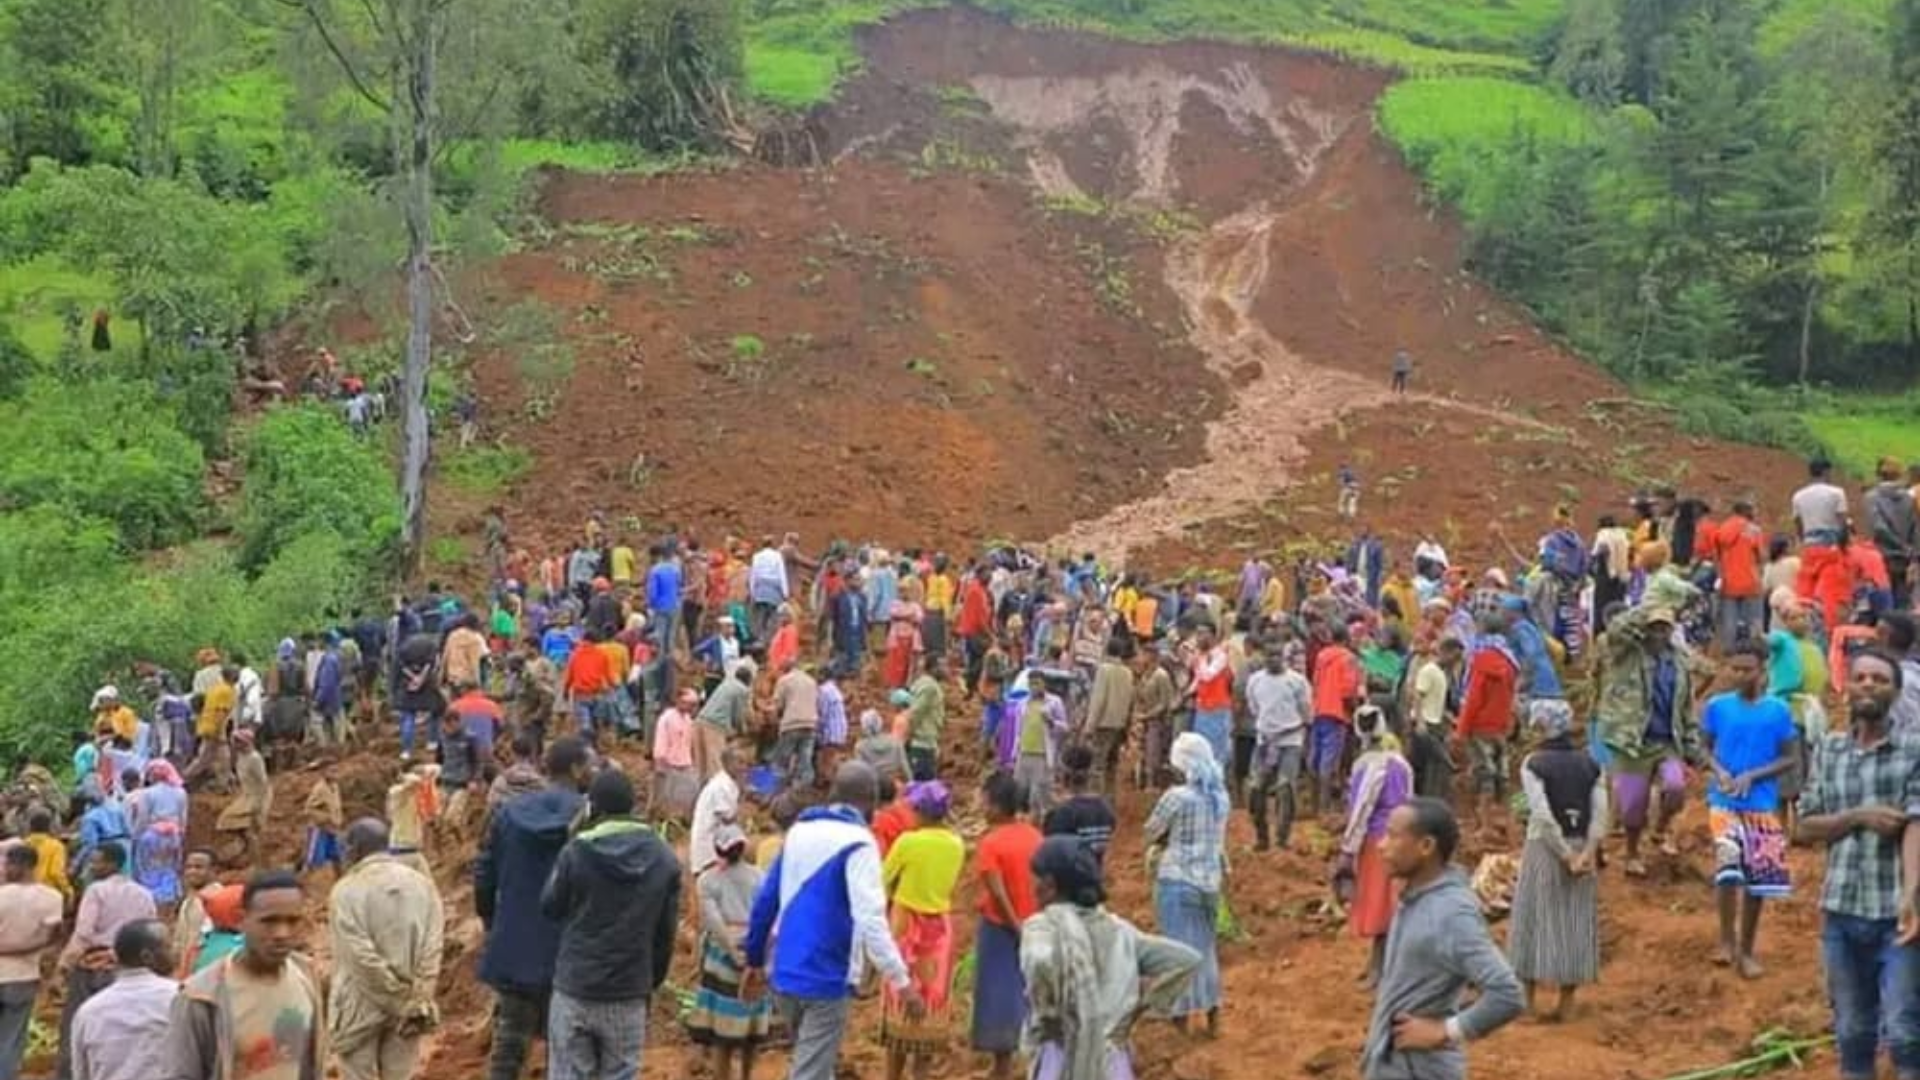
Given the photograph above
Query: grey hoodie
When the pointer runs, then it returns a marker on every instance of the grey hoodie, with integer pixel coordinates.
(1891, 521)
(1438, 947)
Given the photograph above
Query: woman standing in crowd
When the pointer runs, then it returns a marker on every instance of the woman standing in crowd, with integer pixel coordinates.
(157, 815)
(1189, 829)
(1382, 780)
(921, 869)
(1556, 902)
(721, 1019)
(1005, 864)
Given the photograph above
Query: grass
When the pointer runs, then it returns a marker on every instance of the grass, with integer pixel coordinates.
(1792, 17)
(33, 295)
(1448, 126)
(448, 551)
(485, 471)
(797, 56)
(1861, 431)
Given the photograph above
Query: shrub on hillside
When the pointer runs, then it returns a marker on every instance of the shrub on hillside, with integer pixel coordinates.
(659, 67)
(70, 638)
(306, 473)
(109, 449)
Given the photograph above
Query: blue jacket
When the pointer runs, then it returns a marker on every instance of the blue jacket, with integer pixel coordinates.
(525, 840)
(1537, 677)
(822, 895)
(663, 586)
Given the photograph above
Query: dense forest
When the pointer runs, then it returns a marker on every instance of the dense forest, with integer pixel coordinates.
(1702, 195)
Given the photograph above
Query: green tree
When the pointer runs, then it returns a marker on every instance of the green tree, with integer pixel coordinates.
(56, 89)
(1896, 211)
(307, 473)
(664, 68)
(1588, 57)
(16, 363)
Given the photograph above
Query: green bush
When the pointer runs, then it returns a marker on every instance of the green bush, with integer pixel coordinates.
(307, 473)
(110, 450)
(51, 544)
(69, 638)
(16, 363)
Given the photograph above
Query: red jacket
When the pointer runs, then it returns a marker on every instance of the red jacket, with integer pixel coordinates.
(1488, 710)
(976, 610)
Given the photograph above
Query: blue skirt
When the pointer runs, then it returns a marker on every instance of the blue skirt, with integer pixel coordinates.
(1187, 915)
(999, 990)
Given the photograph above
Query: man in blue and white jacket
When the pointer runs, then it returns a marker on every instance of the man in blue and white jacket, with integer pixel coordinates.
(824, 909)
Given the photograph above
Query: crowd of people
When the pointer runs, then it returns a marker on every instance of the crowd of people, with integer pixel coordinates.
(810, 726)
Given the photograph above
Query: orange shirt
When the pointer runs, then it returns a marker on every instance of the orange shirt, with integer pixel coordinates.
(784, 646)
(889, 822)
(1336, 682)
(1008, 850)
(1145, 611)
(589, 672)
(1213, 690)
(1737, 548)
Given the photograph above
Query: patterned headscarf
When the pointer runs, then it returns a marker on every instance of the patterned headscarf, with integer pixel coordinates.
(1552, 716)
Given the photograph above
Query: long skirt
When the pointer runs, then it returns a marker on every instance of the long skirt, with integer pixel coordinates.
(1374, 893)
(933, 632)
(1187, 915)
(674, 791)
(156, 861)
(926, 944)
(899, 669)
(719, 1016)
(1556, 920)
(999, 990)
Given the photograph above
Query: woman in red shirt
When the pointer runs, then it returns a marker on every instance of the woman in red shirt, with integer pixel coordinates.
(1486, 717)
(1005, 863)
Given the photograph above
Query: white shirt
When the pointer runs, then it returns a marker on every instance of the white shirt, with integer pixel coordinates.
(1430, 694)
(121, 1032)
(250, 691)
(1281, 705)
(767, 576)
(718, 804)
(1820, 507)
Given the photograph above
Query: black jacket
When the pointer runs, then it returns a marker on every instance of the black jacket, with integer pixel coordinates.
(616, 894)
(525, 840)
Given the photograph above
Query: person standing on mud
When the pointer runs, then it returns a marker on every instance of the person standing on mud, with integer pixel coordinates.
(387, 924)
(260, 1004)
(1402, 370)
(517, 960)
(1438, 946)
(615, 891)
(822, 908)
(1860, 783)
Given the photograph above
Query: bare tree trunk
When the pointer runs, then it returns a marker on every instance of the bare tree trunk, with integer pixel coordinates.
(1813, 283)
(419, 215)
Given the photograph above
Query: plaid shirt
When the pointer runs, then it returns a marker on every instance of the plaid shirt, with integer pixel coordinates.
(1194, 838)
(1863, 867)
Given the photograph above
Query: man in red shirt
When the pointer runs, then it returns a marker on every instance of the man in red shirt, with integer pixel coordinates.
(1486, 717)
(1213, 693)
(590, 683)
(1337, 688)
(975, 624)
(1738, 547)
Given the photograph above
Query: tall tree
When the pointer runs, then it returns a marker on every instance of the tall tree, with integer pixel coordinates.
(1588, 58)
(1825, 98)
(1896, 223)
(393, 56)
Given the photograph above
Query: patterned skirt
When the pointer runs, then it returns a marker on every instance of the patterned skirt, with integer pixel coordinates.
(1750, 851)
(156, 860)
(926, 944)
(719, 1017)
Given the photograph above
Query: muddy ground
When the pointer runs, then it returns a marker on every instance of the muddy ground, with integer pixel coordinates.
(1140, 300)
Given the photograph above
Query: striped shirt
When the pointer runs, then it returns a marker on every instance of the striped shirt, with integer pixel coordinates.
(1863, 867)
(833, 715)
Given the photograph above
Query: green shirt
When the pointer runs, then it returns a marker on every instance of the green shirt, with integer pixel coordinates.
(927, 716)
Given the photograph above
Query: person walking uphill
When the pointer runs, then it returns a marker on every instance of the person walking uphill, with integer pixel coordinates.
(1863, 786)
(1438, 946)
(517, 959)
(386, 925)
(30, 917)
(821, 914)
(257, 1012)
(927, 718)
(615, 891)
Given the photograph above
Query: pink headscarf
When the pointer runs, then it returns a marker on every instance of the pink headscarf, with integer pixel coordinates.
(162, 771)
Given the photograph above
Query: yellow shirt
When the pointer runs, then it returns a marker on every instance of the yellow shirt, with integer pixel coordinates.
(623, 560)
(1125, 599)
(124, 722)
(768, 851)
(940, 593)
(619, 659)
(922, 868)
(215, 708)
(51, 870)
